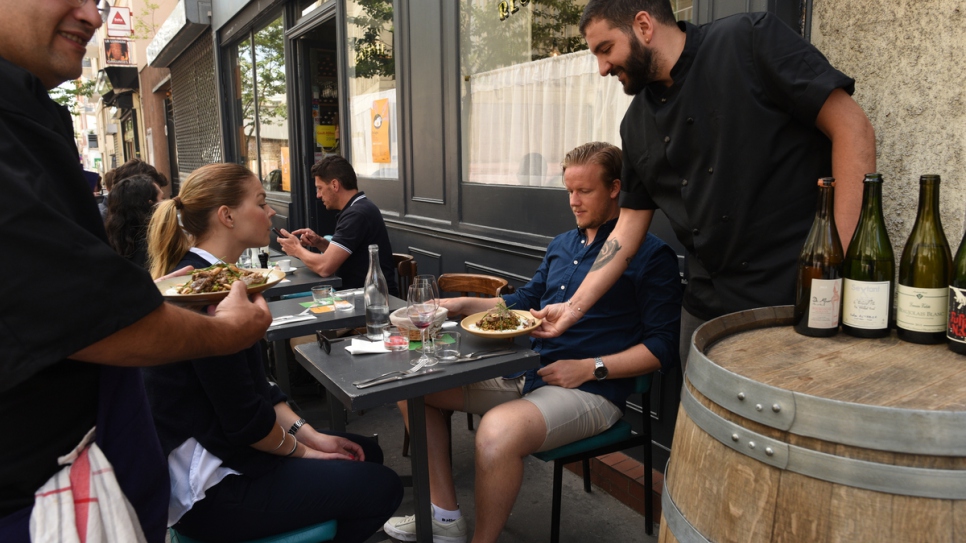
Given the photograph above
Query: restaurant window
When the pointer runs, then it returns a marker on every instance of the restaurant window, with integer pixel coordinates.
(261, 105)
(371, 76)
(531, 90)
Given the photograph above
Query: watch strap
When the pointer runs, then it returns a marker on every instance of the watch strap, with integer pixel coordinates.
(296, 426)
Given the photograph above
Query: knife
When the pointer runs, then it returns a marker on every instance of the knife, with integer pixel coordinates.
(400, 377)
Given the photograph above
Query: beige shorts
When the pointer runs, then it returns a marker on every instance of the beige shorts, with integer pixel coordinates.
(570, 414)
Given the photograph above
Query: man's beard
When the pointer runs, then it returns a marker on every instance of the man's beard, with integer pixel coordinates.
(639, 68)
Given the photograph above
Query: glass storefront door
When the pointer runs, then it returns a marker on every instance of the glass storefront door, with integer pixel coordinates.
(318, 99)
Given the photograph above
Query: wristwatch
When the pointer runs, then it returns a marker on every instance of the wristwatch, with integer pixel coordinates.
(600, 370)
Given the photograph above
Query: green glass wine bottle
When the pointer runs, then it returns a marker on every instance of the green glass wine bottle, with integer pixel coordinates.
(819, 287)
(956, 323)
(925, 269)
(869, 272)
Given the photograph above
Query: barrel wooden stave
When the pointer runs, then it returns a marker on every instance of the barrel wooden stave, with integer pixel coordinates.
(731, 498)
(728, 496)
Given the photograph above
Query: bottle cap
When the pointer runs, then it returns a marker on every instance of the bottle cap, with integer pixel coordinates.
(826, 181)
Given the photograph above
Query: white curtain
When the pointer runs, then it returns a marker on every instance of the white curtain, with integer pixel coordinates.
(520, 121)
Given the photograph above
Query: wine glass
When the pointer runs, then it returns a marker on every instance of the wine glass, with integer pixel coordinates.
(421, 310)
(430, 281)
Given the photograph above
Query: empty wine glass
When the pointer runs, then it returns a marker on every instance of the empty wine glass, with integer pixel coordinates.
(421, 310)
(430, 281)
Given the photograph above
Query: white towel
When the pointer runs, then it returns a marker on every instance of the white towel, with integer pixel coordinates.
(83, 503)
(362, 346)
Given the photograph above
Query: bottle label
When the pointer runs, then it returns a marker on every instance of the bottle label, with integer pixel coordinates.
(823, 311)
(865, 304)
(956, 329)
(921, 309)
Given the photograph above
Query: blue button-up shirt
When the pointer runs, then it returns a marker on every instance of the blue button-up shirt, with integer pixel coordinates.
(644, 306)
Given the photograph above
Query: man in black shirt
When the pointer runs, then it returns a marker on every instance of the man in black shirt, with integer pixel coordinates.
(75, 317)
(359, 225)
(732, 124)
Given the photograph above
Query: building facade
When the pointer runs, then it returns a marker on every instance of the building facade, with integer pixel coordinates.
(457, 113)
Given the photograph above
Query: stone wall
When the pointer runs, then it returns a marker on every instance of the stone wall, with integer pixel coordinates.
(908, 58)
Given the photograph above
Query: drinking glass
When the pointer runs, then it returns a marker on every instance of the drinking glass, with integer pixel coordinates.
(322, 295)
(421, 310)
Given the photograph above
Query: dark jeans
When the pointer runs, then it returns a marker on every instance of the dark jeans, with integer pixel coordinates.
(297, 493)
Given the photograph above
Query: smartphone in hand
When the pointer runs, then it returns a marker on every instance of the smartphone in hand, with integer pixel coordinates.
(277, 233)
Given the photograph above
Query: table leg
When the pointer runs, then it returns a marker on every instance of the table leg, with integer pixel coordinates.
(336, 413)
(418, 455)
(281, 366)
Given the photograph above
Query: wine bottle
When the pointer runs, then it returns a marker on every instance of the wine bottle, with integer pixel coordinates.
(819, 287)
(376, 292)
(869, 271)
(956, 323)
(924, 272)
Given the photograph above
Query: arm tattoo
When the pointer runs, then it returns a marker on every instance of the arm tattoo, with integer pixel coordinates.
(607, 253)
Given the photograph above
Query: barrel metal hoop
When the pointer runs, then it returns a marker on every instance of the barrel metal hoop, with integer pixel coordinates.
(891, 479)
(921, 432)
(683, 530)
(750, 399)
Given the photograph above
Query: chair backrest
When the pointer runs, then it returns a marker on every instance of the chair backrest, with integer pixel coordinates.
(642, 383)
(405, 271)
(470, 284)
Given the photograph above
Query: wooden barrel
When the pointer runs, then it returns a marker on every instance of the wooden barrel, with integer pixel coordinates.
(787, 438)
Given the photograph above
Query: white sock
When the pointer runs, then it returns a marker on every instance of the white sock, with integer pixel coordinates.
(443, 515)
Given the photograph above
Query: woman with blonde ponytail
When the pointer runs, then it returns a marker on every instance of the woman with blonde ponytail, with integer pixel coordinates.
(243, 465)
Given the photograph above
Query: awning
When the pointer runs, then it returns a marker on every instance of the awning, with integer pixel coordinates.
(123, 100)
(116, 79)
(189, 20)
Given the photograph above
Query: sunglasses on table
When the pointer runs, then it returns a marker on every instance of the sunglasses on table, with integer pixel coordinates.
(325, 343)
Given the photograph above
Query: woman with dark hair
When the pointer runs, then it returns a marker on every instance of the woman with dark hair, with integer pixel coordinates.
(129, 208)
(243, 465)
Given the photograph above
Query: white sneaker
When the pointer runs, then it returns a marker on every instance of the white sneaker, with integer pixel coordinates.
(404, 529)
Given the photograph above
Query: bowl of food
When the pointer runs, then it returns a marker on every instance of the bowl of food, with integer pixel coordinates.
(400, 318)
(500, 322)
(210, 285)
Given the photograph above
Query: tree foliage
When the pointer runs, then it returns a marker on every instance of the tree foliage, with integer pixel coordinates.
(538, 29)
(269, 63)
(373, 51)
(69, 93)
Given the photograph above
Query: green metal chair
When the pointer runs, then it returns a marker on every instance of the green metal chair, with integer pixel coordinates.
(309, 534)
(616, 438)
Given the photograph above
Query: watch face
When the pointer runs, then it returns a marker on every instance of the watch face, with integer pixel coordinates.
(600, 372)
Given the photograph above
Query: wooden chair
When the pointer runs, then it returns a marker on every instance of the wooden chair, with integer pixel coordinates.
(472, 284)
(616, 438)
(405, 272)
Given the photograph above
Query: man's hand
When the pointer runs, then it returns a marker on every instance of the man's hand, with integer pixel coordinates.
(568, 373)
(557, 318)
(326, 447)
(308, 238)
(289, 243)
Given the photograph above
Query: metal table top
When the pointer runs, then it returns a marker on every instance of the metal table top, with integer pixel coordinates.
(337, 371)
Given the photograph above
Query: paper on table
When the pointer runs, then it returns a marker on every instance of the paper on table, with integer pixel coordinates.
(362, 346)
(287, 319)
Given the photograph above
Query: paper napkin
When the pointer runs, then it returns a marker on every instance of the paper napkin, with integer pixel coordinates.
(362, 346)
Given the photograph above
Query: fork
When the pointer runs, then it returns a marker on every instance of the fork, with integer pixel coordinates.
(413, 369)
